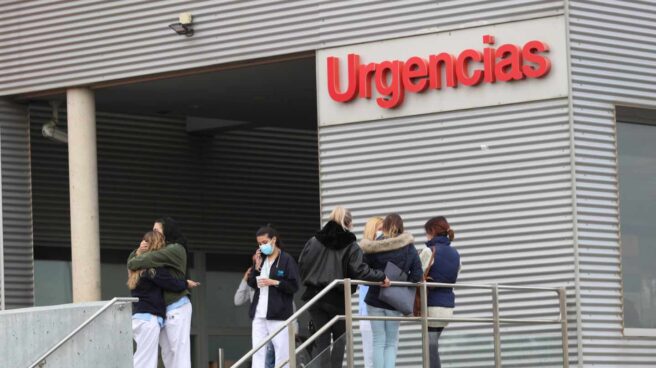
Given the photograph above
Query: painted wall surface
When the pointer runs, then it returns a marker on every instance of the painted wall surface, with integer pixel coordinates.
(28, 333)
(502, 176)
(550, 31)
(613, 47)
(56, 44)
(16, 205)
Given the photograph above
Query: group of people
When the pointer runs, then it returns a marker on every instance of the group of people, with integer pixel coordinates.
(384, 240)
(334, 253)
(157, 275)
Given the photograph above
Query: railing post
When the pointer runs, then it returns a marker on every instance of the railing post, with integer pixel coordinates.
(292, 345)
(496, 326)
(221, 358)
(425, 346)
(348, 319)
(562, 297)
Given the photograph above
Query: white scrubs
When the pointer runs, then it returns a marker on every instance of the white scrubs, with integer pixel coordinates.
(263, 327)
(146, 328)
(175, 336)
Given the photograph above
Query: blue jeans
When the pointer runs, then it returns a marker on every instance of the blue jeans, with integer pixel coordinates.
(386, 337)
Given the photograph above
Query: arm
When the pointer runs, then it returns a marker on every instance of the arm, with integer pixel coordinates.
(303, 262)
(242, 296)
(252, 282)
(173, 256)
(357, 269)
(289, 284)
(132, 255)
(416, 271)
(166, 281)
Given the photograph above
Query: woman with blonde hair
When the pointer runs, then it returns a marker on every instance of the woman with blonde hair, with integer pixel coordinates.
(333, 253)
(149, 312)
(372, 231)
(397, 247)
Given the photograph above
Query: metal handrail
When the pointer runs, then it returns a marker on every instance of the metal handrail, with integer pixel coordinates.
(41, 361)
(424, 319)
(288, 323)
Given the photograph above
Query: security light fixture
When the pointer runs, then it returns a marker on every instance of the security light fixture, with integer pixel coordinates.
(50, 129)
(183, 27)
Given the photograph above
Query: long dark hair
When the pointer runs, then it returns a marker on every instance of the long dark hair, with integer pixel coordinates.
(269, 231)
(393, 225)
(172, 232)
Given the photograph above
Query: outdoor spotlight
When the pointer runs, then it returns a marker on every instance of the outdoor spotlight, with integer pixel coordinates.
(183, 27)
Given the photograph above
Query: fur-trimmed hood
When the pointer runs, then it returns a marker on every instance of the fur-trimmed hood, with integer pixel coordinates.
(386, 245)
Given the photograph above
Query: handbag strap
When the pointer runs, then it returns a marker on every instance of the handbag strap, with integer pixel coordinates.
(430, 263)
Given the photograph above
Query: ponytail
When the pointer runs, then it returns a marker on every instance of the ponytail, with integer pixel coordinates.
(451, 234)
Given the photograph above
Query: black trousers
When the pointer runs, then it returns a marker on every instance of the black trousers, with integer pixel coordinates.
(321, 314)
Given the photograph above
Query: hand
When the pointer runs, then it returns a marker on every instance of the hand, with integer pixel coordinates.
(143, 247)
(192, 284)
(267, 282)
(248, 272)
(386, 283)
(257, 259)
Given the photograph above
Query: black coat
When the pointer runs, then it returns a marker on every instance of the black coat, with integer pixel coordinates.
(149, 291)
(281, 297)
(333, 253)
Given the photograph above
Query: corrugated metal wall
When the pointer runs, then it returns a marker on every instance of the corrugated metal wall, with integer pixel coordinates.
(16, 205)
(510, 205)
(220, 188)
(56, 44)
(613, 62)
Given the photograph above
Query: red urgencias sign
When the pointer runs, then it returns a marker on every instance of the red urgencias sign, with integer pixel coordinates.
(392, 79)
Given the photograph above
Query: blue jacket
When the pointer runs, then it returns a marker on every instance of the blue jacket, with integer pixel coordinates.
(404, 255)
(281, 297)
(445, 269)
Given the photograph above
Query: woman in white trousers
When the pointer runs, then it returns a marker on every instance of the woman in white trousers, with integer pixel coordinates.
(275, 278)
(149, 312)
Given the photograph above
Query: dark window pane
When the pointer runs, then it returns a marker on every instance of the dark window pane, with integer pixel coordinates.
(637, 181)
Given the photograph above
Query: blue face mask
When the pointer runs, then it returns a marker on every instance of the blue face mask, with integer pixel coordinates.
(266, 249)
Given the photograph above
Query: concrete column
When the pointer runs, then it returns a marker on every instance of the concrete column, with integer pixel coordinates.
(83, 182)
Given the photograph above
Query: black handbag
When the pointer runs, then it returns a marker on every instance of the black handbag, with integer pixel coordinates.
(401, 298)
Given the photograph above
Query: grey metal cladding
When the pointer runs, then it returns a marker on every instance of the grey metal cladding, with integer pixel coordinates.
(220, 188)
(502, 176)
(16, 205)
(55, 44)
(613, 63)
